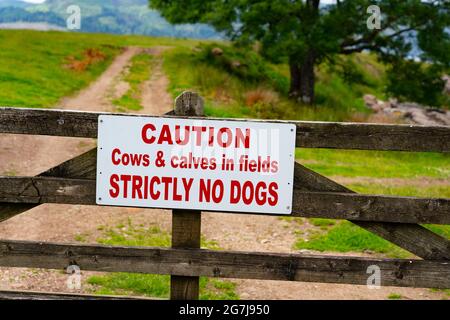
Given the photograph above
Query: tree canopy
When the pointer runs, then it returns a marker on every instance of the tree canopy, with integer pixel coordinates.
(304, 33)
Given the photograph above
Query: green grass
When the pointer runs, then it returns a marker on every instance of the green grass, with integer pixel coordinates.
(129, 234)
(82, 237)
(319, 222)
(33, 71)
(394, 296)
(138, 73)
(347, 237)
(446, 292)
(226, 88)
(344, 236)
(375, 164)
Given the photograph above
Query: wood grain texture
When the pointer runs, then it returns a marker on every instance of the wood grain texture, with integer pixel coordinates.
(331, 205)
(81, 167)
(186, 224)
(335, 135)
(38, 190)
(35, 295)
(225, 264)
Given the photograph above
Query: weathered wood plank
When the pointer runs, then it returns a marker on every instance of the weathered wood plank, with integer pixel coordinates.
(363, 207)
(332, 205)
(186, 233)
(412, 237)
(35, 295)
(225, 264)
(186, 224)
(336, 135)
(306, 204)
(81, 167)
(38, 190)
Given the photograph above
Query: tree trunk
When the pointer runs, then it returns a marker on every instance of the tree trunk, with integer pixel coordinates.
(303, 78)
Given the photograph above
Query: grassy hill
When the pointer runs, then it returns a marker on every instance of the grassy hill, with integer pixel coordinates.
(242, 84)
(37, 69)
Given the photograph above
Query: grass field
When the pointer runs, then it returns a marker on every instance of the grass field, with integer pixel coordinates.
(37, 69)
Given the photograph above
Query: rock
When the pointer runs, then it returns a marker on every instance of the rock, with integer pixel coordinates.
(373, 103)
(264, 241)
(217, 51)
(446, 78)
(370, 100)
(409, 112)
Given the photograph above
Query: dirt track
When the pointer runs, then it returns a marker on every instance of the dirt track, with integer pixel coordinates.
(63, 223)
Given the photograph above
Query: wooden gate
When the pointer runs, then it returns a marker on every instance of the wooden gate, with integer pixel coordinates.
(396, 219)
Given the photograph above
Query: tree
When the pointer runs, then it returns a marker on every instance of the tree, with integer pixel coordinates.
(305, 33)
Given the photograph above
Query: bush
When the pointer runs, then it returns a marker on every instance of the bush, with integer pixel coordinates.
(246, 64)
(413, 81)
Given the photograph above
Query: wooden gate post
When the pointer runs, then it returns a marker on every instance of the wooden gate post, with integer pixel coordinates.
(186, 224)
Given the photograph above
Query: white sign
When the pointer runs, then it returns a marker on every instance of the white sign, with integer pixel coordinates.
(196, 164)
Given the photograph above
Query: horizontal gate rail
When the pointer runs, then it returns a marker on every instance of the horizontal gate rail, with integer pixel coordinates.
(396, 219)
(351, 206)
(225, 264)
(33, 295)
(335, 135)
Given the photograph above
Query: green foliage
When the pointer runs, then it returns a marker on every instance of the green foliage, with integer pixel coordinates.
(413, 81)
(233, 93)
(129, 234)
(138, 72)
(244, 64)
(305, 34)
(132, 235)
